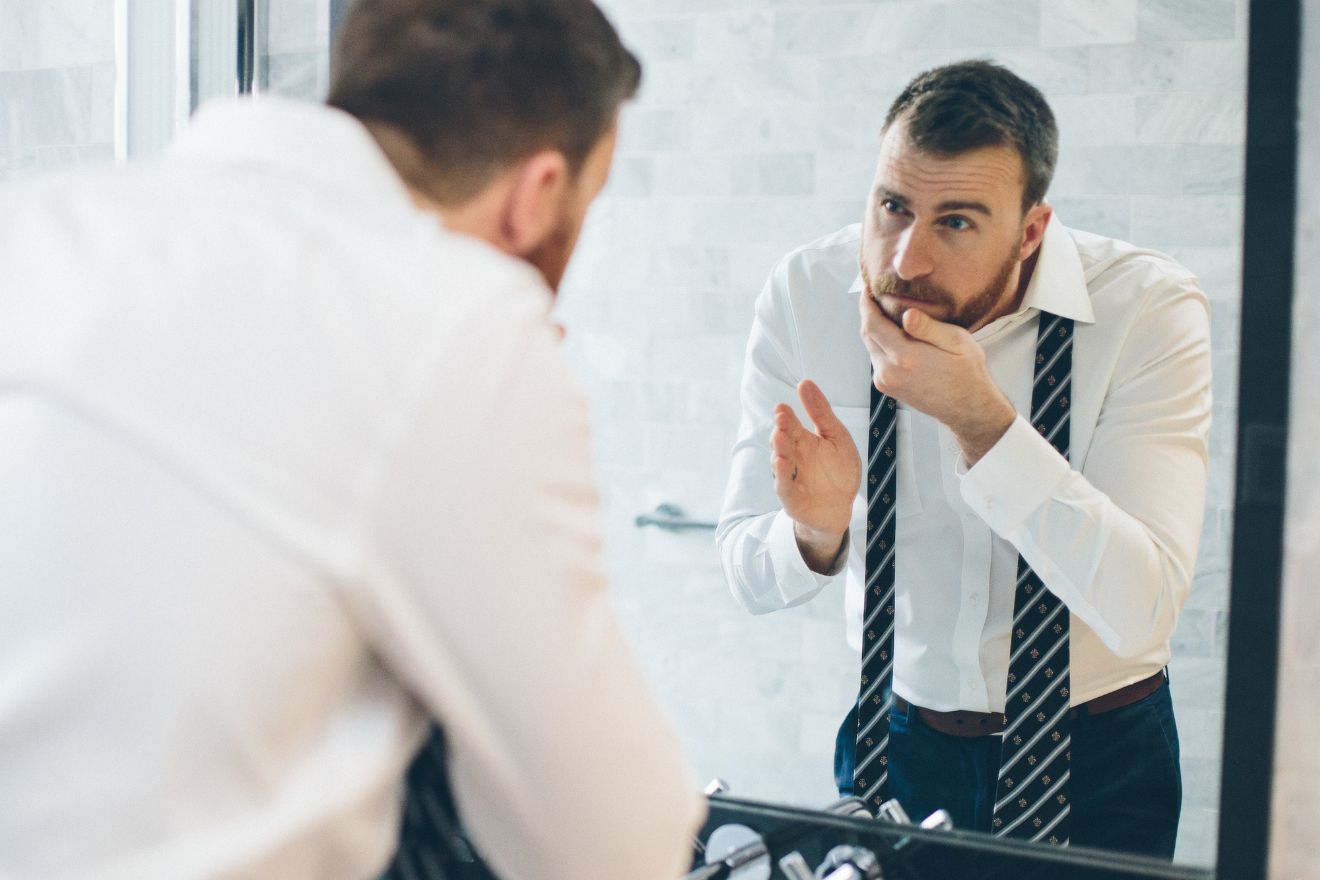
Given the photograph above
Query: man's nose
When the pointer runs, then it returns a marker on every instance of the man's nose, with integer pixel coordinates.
(912, 257)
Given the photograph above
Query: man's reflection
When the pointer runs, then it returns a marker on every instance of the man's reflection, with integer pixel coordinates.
(1008, 467)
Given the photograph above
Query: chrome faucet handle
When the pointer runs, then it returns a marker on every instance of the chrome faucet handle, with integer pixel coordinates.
(794, 867)
(850, 863)
(940, 820)
(849, 806)
(892, 811)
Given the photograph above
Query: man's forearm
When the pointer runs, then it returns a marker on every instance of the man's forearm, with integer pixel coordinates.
(978, 434)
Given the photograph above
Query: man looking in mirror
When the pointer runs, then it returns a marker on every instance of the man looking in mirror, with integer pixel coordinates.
(292, 470)
(1007, 468)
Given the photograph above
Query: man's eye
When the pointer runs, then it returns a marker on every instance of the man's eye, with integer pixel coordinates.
(889, 206)
(957, 224)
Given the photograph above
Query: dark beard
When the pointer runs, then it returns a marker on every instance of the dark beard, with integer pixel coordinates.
(551, 256)
(968, 316)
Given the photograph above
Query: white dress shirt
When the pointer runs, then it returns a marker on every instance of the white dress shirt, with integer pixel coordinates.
(287, 470)
(1114, 534)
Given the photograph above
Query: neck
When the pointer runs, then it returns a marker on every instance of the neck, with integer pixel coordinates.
(1014, 295)
(1024, 277)
(478, 217)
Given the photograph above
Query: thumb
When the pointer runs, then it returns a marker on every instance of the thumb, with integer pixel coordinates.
(819, 410)
(924, 328)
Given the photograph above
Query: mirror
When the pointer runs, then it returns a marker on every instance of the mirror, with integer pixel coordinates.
(756, 133)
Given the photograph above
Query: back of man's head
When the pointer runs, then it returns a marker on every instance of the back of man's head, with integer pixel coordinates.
(971, 104)
(474, 86)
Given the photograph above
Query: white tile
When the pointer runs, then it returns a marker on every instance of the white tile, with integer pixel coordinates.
(1137, 67)
(1186, 19)
(630, 177)
(1103, 215)
(819, 31)
(982, 24)
(1191, 118)
(724, 36)
(55, 33)
(1094, 120)
(666, 84)
(845, 174)
(663, 39)
(642, 129)
(693, 174)
(1215, 64)
(774, 174)
(296, 26)
(741, 128)
(788, 83)
(904, 25)
(1055, 71)
(1183, 220)
(1084, 22)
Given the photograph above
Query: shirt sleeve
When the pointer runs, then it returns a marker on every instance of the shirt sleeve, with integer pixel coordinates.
(487, 599)
(758, 551)
(1118, 542)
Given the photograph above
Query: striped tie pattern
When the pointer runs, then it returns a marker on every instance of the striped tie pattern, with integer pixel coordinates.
(1031, 799)
(871, 772)
(432, 845)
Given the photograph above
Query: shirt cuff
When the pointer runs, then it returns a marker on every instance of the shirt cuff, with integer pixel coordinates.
(1019, 474)
(795, 578)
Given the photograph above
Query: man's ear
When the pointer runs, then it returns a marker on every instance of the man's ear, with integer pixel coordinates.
(1033, 229)
(533, 202)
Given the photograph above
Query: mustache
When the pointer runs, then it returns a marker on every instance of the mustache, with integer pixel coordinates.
(889, 284)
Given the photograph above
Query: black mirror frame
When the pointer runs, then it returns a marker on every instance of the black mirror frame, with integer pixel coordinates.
(1265, 362)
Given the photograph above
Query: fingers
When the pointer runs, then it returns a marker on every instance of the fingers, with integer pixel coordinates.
(783, 469)
(783, 443)
(818, 409)
(881, 336)
(787, 429)
(924, 328)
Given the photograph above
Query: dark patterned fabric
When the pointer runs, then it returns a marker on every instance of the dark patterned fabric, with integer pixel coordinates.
(871, 770)
(432, 844)
(1032, 799)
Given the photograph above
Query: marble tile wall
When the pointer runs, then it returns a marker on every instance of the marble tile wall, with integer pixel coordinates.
(298, 48)
(57, 76)
(1295, 847)
(755, 132)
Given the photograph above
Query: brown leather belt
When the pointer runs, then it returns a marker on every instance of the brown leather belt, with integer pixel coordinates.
(963, 722)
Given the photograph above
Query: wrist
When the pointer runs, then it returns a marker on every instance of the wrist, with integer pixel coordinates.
(820, 548)
(979, 434)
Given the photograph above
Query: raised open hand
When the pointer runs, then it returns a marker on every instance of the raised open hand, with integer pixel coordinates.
(817, 473)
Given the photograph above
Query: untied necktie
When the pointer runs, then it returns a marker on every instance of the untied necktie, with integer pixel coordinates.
(1031, 798)
(432, 843)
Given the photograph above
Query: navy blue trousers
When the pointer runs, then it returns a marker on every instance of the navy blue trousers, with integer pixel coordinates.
(1126, 782)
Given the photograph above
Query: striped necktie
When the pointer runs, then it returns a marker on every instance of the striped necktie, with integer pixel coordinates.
(1031, 799)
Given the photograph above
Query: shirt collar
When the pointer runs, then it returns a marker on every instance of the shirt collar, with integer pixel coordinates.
(1058, 284)
(301, 139)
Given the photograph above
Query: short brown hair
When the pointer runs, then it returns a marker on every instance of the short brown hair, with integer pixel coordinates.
(476, 85)
(970, 104)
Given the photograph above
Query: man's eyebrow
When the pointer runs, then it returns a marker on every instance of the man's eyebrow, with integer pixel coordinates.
(884, 192)
(964, 206)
